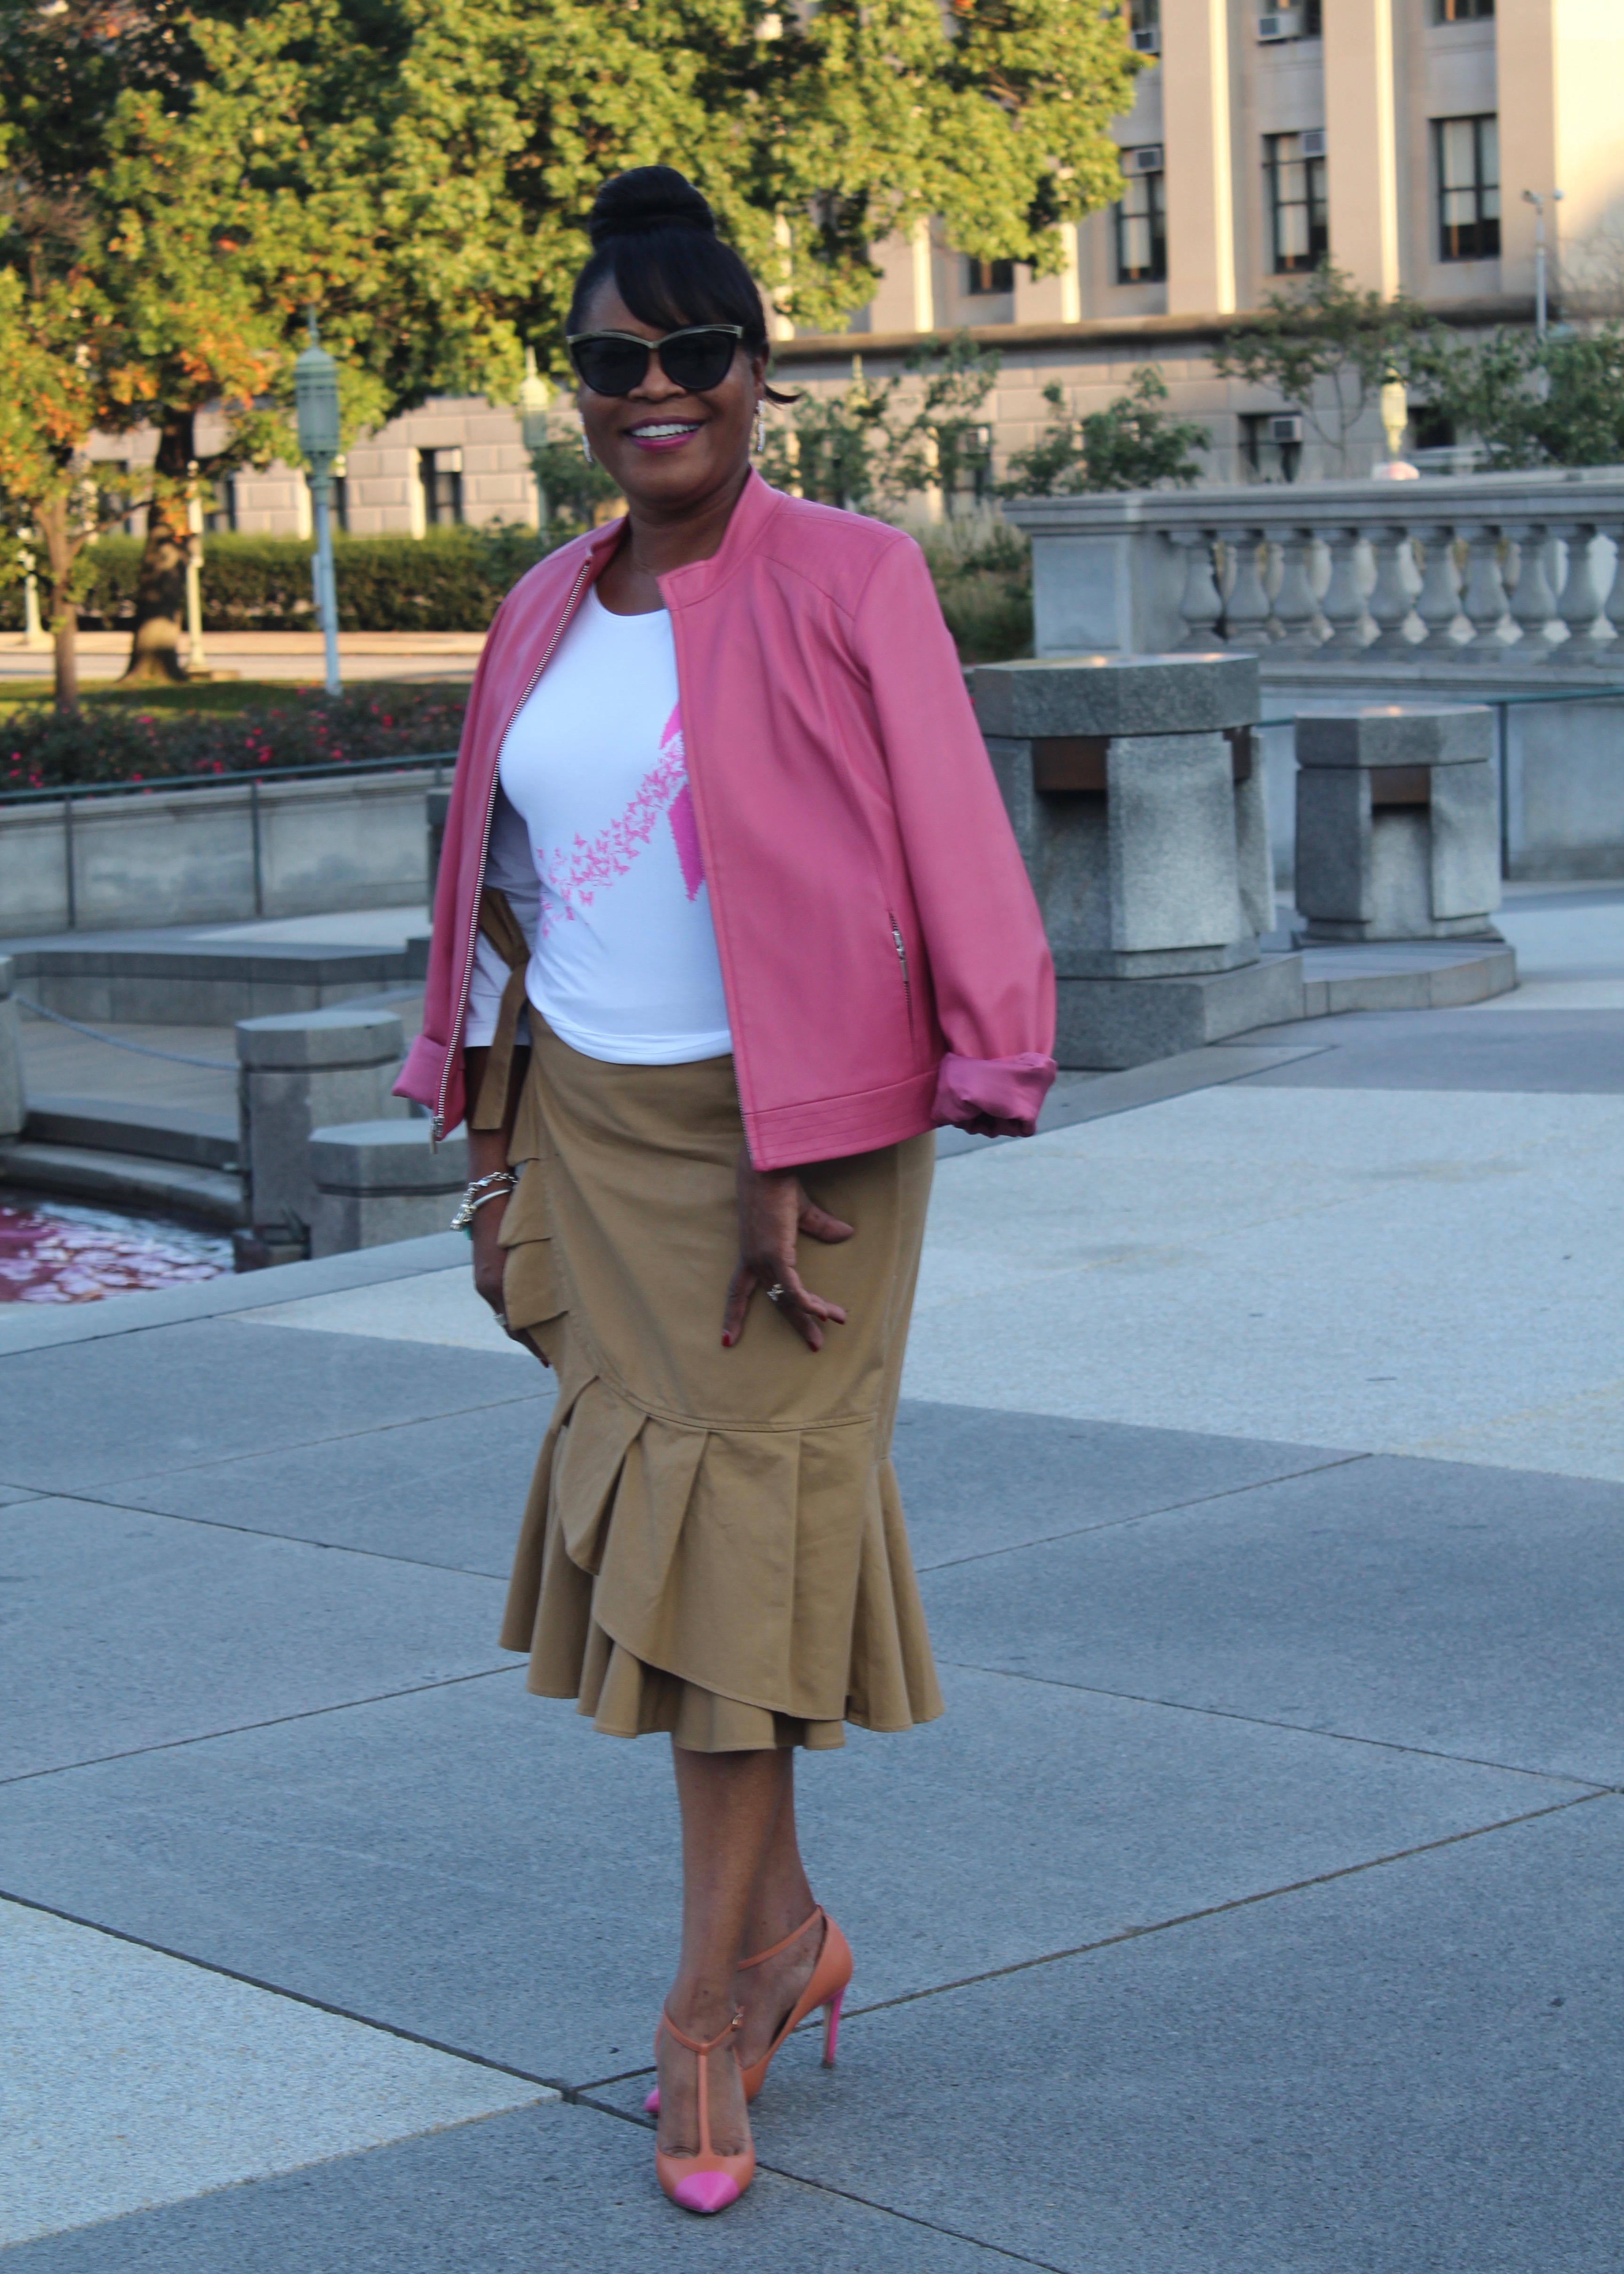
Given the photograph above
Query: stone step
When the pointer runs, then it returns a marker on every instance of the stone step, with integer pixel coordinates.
(123, 1180)
(188, 1134)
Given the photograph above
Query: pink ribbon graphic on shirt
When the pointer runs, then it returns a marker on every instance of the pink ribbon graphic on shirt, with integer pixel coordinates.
(574, 877)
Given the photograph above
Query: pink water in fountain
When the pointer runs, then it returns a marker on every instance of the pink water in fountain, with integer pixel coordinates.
(50, 1252)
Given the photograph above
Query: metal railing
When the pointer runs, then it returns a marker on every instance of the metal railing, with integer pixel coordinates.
(67, 794)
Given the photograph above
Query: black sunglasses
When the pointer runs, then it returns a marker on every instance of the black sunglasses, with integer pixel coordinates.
(697, 358)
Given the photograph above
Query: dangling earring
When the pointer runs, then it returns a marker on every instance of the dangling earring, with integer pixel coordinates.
(760, 429)
(586, 448)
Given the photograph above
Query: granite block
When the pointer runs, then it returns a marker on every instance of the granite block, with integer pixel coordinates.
(1465, 852)
(1397, 734)
(1171, 809)
(324, 1039)
(1117, 695)
(1126, 1022)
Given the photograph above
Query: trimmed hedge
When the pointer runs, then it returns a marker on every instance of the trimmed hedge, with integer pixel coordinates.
(115, 739)
(448, 580)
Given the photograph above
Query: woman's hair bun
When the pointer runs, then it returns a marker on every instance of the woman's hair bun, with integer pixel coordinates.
(647, 197)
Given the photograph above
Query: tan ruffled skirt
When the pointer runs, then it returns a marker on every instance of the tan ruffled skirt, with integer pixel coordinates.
(713, 1545)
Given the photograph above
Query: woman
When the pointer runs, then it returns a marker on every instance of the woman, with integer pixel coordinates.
(724, 834)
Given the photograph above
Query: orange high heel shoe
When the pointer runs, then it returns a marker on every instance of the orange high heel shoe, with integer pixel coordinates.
(706, 2182)
(831, 1979)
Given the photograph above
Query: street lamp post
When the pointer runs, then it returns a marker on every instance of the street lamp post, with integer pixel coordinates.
(315, 395)
(1532, 198)
(535, 397)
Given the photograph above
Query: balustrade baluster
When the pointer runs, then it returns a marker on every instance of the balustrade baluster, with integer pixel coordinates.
(1580, 604)
(1202, 604)
(1533, 602)
(1483, 603)
(1295, 606)
(1343, 605)
(1246, 610)
(1609, 650)
(1389, 602)
(1437, 603)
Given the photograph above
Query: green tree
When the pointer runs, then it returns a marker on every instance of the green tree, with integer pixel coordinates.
(421, 170)
(1327, 348)
(1133, 444)
(876, 445)
(1555, 402)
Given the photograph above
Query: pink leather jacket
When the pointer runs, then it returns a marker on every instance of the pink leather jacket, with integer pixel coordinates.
(883, 960)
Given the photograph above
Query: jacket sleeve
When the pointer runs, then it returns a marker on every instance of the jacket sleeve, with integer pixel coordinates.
(990, 967)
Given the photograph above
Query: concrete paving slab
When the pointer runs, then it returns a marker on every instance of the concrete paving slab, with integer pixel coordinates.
(481, 1869)
(1412, 2067)
(433, 1306)
(554, 2190)
(1476, 1612)
(132, 2079)
(1326, 1267)
(196, 1394)
(123, 1630)
(449, 1491)
(1569, 1053)
(975, 1482)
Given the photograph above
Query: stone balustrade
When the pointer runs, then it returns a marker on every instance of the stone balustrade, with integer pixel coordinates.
(1480, 570)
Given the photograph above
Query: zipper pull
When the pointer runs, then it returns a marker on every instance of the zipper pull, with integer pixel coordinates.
(902, 953)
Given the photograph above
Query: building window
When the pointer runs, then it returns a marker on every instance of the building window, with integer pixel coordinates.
(1271, 445)
(984, 278)
(440, 472)
(1141, 219)
(1145, 26)
(1468, 188)
(220, 506)
(1461, 11)
(1294, 193)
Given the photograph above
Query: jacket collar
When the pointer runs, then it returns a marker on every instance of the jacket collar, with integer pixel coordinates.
(681, 588)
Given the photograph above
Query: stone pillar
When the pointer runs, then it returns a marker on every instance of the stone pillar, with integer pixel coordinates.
(375, 1181)
(1200, 193)
(13, 1102)
(1398, 824)
(300, 1071)
(1139, 808)
(1361, 143)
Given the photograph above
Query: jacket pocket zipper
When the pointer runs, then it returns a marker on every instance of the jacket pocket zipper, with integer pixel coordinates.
(902, 958)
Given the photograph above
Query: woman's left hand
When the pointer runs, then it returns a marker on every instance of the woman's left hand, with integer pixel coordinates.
(773, 1208)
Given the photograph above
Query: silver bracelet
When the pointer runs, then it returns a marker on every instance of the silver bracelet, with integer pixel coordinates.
(474, 1198)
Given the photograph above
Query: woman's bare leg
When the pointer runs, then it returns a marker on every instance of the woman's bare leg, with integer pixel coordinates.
(730, 1805)
(781, 1901)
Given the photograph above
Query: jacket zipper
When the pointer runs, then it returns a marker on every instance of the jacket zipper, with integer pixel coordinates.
(902, 958)
(437, 1129)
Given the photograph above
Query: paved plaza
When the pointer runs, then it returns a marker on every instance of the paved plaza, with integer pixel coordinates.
(1254, 1909)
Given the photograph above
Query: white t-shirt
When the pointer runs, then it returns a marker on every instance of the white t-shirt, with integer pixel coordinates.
(594, 843)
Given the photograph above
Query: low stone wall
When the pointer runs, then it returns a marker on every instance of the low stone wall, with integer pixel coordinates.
(187, 856)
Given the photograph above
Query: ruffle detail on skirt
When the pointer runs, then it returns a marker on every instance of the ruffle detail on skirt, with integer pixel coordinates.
(648, 1585)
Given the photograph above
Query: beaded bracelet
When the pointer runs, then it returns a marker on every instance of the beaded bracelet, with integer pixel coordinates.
(500, 1182)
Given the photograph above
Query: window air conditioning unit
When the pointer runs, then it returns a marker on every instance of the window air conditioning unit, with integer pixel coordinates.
(1285, 426)
(1147, 43)
(1311, 142)
(1146, 160)
(1280, 24)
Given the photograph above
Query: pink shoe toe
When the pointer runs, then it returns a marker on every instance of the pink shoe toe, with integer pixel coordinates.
(705, 2191)
(650, 2106)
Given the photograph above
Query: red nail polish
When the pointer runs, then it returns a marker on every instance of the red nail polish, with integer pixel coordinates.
(728, 1342)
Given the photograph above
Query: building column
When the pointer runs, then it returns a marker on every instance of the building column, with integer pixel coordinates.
(1361, 143)
(1559, 64)
(1051, 299)
(1200, 199)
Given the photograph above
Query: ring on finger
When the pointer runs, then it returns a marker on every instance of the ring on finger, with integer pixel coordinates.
(775, 1293)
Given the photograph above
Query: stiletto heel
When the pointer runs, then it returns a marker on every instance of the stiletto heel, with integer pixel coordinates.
(706, 2182)
(831, 2027)
(831, 1979)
